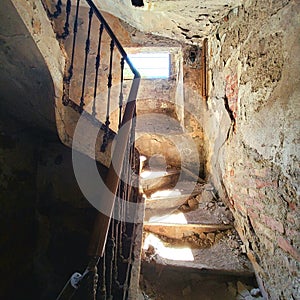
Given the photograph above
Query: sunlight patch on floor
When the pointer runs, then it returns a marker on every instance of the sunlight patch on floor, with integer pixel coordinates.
(166, 193)
(177, 218)
(183, 254)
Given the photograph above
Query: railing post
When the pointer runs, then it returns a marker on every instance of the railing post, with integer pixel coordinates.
(87, 50)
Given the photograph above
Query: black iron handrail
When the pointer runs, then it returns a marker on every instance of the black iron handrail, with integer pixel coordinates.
(104, 227)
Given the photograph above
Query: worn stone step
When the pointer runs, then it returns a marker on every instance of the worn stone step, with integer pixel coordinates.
(223, 256)
(174, 196)
(180, 283)
(177, 149)
(156, 207)
(179, 231)
(167, 201)
(154, 180)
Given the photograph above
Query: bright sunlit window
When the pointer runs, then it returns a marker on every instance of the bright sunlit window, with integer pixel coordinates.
(149, 64)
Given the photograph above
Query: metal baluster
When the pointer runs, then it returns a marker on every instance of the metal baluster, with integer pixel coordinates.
(103, 281)
(92, 279)
(129, 265)
(68, 78)
(58, 10)
(118, 284)
(87, 50)
(121, 96)
(117, 232)
(117, 227)
(66, 26)
(127, 169)
(109, 85)
(95, 282)
(133, 232)
(132, 151)
(112, 250)
(122, 221)
(97, 65)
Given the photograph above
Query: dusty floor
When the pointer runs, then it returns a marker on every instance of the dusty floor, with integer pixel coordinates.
(173, 283)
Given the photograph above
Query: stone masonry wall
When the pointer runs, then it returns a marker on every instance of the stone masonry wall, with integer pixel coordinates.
(253, 130)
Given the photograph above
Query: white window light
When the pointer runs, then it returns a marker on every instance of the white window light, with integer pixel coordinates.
(149, 64)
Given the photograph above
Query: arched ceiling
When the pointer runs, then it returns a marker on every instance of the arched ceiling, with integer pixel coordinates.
(184, 20)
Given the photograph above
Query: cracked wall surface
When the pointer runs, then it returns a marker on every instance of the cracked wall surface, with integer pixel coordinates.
(253, 128)
(187, 21)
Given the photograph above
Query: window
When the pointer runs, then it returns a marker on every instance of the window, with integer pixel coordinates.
(150, 65)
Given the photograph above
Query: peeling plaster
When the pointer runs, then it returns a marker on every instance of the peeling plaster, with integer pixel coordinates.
(187, 21)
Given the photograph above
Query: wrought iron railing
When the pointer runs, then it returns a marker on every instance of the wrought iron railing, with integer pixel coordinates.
(84, 34)
(94, 54)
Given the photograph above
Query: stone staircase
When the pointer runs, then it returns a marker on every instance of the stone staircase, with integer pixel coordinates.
(190, 247)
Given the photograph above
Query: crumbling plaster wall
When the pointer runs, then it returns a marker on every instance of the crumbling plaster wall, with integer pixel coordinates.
(187, 21)
(253, 132)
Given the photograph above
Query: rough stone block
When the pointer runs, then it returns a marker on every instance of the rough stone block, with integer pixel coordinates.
(268, 183)
(272, 223)
(287, 247)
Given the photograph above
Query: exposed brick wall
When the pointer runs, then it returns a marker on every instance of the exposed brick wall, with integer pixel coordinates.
(267, 218)
(253, 80)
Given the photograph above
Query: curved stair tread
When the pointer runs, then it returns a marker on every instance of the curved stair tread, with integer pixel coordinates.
(167, 201)
(153, 180)
(219, 258)
(157, 174)
(215, 260)
(182, 189)
(179, 231)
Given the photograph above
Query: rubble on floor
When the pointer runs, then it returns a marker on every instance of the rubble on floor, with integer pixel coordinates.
(178, 284)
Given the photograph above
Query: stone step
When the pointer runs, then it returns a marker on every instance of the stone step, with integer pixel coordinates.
(165, 202)
(180, 283)
(221, 256)
(154, 180)
(176, 194)
(160, 206)
(169, 199)
(179, 231)
(177, 149)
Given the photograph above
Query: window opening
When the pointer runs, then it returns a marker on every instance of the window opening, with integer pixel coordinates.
(151, 65)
